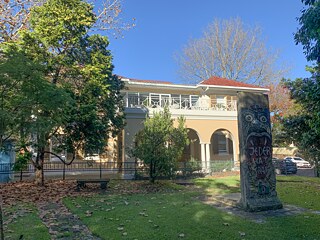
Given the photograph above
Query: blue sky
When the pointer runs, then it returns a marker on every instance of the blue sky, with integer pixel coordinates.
(163, 27)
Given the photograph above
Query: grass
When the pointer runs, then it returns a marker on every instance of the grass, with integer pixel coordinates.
(174, 212)
(179, 215)
(24, 220)
(299, 191)
(219, 185)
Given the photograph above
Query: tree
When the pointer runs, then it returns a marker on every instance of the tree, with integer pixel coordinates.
(281, 106)
(304, 127)
(77, 67)
(22, 159)
(231, 50)
(160, 144)
(15, 15)
(309, 32)
(31, 107)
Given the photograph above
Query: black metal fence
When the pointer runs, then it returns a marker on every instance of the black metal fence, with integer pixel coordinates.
(110, 169)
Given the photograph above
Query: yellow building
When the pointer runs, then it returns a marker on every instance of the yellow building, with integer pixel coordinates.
(210, 110)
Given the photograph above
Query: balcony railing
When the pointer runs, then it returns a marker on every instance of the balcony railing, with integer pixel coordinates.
(192, 102)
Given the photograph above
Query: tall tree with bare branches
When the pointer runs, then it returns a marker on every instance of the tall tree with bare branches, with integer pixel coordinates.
(232, 50)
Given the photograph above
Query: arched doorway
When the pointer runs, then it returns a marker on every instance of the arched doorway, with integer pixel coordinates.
(222, 150)
(192, 152)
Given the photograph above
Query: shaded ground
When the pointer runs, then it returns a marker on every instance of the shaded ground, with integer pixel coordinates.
(62, 224)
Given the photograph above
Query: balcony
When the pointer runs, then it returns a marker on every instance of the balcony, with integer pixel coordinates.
(178, 102)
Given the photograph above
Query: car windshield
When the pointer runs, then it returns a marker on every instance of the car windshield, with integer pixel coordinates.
(297, 158)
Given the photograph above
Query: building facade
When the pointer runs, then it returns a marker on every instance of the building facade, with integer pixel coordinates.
(210, 110)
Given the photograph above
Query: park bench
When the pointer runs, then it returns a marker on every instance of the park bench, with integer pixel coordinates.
(81, 183)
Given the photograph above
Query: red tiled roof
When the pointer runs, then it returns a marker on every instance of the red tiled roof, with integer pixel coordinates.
(218, 81)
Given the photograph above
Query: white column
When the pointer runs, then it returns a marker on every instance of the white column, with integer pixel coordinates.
(127, 99)
(203, 156)
(235, 155)
(208, 156)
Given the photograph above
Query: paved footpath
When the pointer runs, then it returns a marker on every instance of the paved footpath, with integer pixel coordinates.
(63, 224)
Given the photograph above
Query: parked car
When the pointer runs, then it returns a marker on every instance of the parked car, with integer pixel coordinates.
(301, 163)
(284, 166)
(56, 159)
(93, 157)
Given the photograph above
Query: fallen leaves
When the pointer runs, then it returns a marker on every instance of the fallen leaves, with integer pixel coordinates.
(55, 190)
(29, 192)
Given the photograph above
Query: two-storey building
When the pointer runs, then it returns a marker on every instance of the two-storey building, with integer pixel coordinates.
(210, 110)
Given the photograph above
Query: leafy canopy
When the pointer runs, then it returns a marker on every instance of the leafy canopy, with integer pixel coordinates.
(160, 144)
(309, 32)
(64, 81)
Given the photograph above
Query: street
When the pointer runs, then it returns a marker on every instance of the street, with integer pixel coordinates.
(307, 172)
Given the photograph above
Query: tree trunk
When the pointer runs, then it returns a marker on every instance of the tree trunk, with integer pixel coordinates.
(38, 176)
(150, 173)
(316, 168)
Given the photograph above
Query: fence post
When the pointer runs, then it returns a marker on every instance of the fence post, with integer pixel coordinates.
(64, 171)
(100, 169)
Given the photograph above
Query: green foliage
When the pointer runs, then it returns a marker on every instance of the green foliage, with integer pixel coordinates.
(191, 166)
(160, 144)
(30, 103)
(65, 81)
(304, 129)
(309, 33)
(68, 20)
(22, 159)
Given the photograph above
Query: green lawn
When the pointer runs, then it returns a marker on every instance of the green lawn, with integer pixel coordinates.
(219, 185)
(299, 191)
(173, 212)
(23, 220)
(179, 215)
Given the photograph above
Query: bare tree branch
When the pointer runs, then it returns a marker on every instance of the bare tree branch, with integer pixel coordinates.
(232, 50)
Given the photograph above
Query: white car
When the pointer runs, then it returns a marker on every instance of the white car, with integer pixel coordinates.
(301, 163)
(93, 157)
(56, 159)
